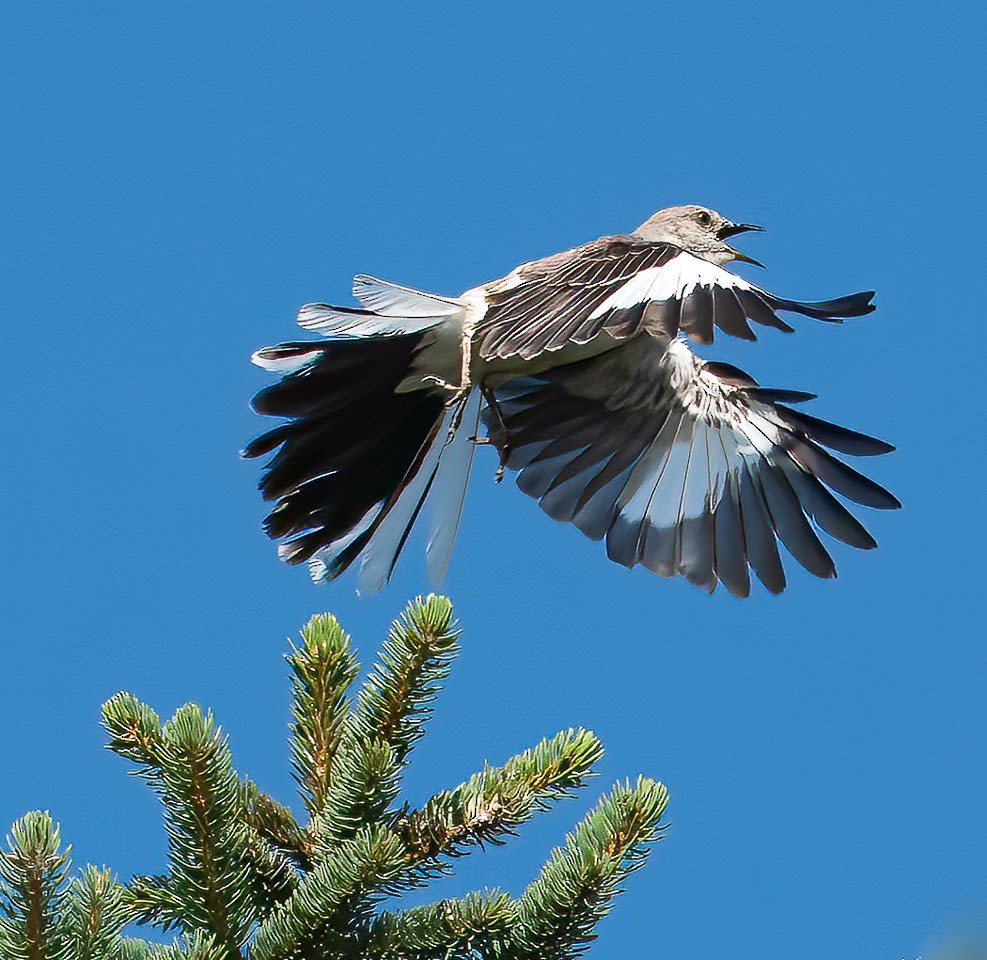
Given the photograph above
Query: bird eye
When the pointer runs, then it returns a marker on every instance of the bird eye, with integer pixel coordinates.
(703, 218)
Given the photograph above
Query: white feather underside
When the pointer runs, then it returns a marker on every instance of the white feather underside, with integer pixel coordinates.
(672, 280)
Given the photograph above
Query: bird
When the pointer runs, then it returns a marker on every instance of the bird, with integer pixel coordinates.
(577, 368)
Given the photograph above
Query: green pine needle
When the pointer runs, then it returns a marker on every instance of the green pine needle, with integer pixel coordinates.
(389, 718)
(95, 911)
(247, 880)
(32, 879)
(495, 801)
(340, 888)
(559, 911)
(322, 670)
(365, 781)
(476, 925)
(196, 946)
(207, 838)
(135, 731)
(276, 846)
(153, 901)
(274, 822)
(396, 699)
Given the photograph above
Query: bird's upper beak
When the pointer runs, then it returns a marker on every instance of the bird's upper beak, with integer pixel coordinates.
(731, 230)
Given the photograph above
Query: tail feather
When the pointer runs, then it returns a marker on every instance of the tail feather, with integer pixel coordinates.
(388, 309)
(349, 448)
(440, 473)
(343, 322)
(393, 300)
(389, 534)
(450, 490)
(361, 448)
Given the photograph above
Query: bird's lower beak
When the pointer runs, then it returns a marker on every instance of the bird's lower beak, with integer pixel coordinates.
(732, 229)
(737, 255)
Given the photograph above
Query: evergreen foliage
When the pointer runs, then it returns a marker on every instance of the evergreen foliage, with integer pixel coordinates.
(246, 880)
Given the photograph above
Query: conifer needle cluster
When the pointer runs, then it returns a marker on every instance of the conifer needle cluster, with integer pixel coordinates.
(248, 880)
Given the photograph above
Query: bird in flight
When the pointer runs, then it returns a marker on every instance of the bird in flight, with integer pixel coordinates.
(579, 369)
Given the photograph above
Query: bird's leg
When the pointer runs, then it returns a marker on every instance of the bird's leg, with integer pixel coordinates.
(457, 396)
(443, 385)
(459, 399)
(497, 431)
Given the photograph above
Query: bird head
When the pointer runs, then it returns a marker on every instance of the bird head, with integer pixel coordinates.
(697, 230)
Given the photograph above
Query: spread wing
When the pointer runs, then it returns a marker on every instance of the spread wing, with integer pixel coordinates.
(685, 467)
(615, 285)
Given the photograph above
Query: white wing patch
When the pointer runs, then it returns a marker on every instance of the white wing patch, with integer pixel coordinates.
(673, 280)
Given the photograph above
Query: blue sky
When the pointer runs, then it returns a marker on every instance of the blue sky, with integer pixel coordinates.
(178, 180)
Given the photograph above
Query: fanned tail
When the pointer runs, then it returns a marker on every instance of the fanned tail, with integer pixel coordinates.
(367, 429)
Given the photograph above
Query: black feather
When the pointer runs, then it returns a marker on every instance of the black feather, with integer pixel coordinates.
(773, 396)
(853, 305)
(834, 436)
(758, 310)
(349, 442)
(728, 314)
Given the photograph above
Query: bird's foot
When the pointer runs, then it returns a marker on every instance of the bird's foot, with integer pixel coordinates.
(443, 385)
(504, 454)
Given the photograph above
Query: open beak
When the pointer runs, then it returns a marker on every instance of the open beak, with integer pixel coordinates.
(731, 230)
(737, 255)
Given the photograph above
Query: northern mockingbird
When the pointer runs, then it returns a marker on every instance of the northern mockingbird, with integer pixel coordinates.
(579, 366)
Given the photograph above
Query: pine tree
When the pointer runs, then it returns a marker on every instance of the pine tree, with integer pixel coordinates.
(246, 879)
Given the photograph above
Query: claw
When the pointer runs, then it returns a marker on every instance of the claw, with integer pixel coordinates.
(441, 384)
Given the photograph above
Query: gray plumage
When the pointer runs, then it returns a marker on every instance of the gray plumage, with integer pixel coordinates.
(588, 390)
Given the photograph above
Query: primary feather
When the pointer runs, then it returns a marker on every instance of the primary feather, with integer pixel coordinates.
(588, 390)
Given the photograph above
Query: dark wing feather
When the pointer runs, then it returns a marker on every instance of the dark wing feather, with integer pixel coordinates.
(549, 303)
(685, 467)
(619, 285)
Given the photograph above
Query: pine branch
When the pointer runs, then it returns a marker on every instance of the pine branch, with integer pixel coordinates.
(365, 782)
(152, 900)
(476, 925)
(390, 714)
(95, 911)
(32, 877)
(130, 948)
(206, 835)
(559, 910)
(196, 946)
(322, 670)
(135, 733)
(396, 699)
(339, 891)
(498, 799)
(275, 823)
(243, 870)
(276, 847)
